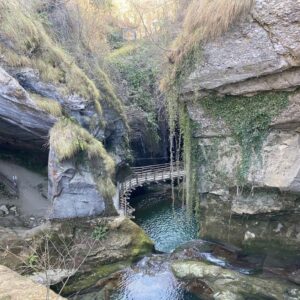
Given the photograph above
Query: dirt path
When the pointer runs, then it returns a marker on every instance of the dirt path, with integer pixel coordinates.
(31, 202)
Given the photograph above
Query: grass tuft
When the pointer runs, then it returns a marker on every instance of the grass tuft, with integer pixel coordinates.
(68, 139)
(205, 20)
(30, 45)
(107, 187)
(46, 104)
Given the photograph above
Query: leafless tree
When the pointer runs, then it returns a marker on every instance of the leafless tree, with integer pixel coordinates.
(54, 258)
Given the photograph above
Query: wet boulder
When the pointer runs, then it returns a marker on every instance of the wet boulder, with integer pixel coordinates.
(228, 285)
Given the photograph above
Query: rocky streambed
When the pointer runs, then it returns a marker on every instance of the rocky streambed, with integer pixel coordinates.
(113, 258)
(197, 270)
(194, 269)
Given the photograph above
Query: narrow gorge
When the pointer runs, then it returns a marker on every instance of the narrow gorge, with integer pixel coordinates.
(150, 149)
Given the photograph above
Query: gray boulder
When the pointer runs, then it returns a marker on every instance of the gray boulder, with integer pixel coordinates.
(261, 53)
(226, 284)
(73, 189)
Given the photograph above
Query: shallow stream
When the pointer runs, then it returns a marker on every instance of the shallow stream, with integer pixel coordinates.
(170, 227)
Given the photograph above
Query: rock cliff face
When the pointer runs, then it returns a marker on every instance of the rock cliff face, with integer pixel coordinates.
(244, 102)
(25, 125)
(49, 75)
(260, 54)
(73, 189)
(21, 121)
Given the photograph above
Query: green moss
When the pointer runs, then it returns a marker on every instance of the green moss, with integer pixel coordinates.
(141, 74)
(248, 118)
(85, 281)
(141, 245)
(192, 158)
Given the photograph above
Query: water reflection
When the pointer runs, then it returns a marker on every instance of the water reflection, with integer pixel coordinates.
(150, 279)
(167, 225)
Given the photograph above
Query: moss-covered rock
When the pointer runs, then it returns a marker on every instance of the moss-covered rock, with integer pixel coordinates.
(123, 243)
(228, 284)
(77, 244)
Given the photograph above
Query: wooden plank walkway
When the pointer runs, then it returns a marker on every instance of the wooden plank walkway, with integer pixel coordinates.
(144, 175)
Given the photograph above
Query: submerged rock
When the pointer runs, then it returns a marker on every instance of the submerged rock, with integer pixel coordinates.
(229, 285)
(273, 236)
(14, 287)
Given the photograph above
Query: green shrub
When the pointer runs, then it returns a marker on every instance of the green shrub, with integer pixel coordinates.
(100, 232)
(137, 66)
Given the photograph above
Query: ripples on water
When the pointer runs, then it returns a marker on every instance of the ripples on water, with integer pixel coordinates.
(150, 279)
(150, 283)
(167, 225)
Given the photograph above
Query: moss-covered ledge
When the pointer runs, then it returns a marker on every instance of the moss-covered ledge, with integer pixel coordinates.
(94, 248)
(123, 243)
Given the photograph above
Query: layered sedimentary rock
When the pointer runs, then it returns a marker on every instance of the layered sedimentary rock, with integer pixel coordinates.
(266, 45)
(256, 61)
(21, 121)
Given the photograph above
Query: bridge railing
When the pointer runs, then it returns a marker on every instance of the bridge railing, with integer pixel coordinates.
(156, 168)
(151, 172)
(142, 175)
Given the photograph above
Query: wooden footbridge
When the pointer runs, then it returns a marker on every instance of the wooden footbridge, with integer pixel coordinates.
(145, 175)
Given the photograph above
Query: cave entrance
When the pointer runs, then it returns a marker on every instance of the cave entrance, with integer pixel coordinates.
(23, 186)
